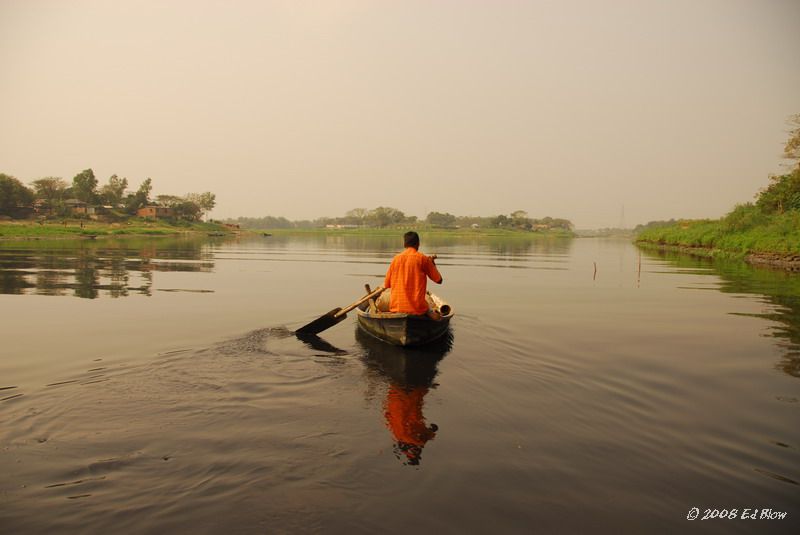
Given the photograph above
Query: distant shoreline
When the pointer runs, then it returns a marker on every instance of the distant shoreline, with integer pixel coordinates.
(56, 229)
(460, 232)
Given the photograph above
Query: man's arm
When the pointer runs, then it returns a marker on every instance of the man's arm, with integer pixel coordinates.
(433, 271)
(387, 281)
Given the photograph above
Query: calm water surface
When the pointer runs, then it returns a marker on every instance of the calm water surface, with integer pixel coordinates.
(156, 386)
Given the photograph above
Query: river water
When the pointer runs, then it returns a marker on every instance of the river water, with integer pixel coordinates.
(156, 386)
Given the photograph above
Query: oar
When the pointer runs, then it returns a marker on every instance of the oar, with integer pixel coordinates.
(335, 316)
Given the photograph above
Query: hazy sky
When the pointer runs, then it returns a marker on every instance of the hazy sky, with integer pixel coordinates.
(570, 109)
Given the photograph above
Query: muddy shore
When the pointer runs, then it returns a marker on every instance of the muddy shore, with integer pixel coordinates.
(784, 261)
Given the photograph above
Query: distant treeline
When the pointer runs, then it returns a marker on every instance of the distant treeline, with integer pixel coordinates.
(383, 217)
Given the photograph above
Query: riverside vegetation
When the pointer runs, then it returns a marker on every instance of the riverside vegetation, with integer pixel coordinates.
(765, 231)
(51, 207)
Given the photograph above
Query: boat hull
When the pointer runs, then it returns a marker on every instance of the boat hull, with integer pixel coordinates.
(402, 329)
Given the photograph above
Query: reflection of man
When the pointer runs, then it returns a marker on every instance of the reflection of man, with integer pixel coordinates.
(408, 279)
(404, 418)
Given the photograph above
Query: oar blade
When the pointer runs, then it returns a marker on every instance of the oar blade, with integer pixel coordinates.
(321, 323)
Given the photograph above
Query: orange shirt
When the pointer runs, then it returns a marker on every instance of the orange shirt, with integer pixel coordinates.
(408, 278)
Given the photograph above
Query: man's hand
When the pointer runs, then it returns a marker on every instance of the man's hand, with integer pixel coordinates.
(433, 258)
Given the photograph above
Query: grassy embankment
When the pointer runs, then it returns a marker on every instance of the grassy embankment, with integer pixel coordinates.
(28, 229)
(742, 233)
(766, 231)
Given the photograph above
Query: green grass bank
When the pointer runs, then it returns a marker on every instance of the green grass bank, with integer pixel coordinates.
(76, 228)
(746, 233)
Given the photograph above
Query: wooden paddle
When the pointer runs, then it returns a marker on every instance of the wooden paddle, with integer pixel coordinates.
(336, 315)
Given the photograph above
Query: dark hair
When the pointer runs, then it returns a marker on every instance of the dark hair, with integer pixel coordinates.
(411, 239)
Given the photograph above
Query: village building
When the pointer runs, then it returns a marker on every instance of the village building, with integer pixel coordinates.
(79, 207)
(155, 212)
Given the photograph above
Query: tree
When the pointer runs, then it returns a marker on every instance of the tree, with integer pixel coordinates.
(384, 215)
(792, 148)
(141, 198)
(782, 194)
(113, 192)
(50, 190)
(205, 201)
(84, 186)
(13, 195)
(441, 220)
(187, 210)
(743, 217)
(519, 218)
(144, 190)
(358, 215)
(500, 221)
(565, 224)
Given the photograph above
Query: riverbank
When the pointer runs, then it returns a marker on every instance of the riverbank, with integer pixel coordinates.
(774, 241)
(77, 228)
(786, 261)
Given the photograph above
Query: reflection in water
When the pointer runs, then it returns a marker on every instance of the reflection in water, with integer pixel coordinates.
(408, 373)
(89, 269)
(121, 267)
(496, 246)
(778, 288)
(403, 412)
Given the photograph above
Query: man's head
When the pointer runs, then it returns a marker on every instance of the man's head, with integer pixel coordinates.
(411, 239)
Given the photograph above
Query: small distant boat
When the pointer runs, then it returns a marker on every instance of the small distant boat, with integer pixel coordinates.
(405, 329)
(266, 234)
(216, 234)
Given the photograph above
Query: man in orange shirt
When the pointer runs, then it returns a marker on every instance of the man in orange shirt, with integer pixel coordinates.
(408, 278)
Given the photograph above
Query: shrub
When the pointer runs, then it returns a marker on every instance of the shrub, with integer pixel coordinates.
(743, 217)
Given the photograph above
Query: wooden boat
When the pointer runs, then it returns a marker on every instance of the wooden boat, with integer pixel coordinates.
(405, 329)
